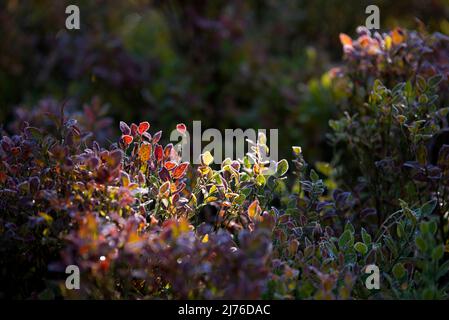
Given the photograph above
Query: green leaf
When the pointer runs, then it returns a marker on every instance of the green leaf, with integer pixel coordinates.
(421, 82)
(240, 199)
(438, 252)
(428, 294)
(314, 176)
(245, 191)
(34, 133)
(350, 227)
(399, 271)
(442, 270)
(435, 80)
(282, 168)
(421, 154)
(246, 162)
(408, 89)
(427, 208)
(260, 180)
(324, 168)
(361, 247)
(424, 227)
(218, 179)
(400, 230)
(421, 244)
(433, 227)
(345, 238)
(366, 237)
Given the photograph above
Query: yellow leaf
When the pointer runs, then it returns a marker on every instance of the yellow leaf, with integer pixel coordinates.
(254, 209)
(388, 42)
(46, 217)
(134, 237)
(205, 239)
(213, 189)
(145, 152)
(207, 158)
(296, 150)
(210, 199)
(193, 200)
(262, 138)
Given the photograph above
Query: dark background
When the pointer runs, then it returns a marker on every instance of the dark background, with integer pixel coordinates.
(230, 64)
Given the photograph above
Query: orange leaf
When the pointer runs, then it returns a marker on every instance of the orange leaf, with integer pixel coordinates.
(145, 152)
(345, 40)
(254, 209)
(180, 170)
(169, 165)
(364, 41)
(397, 36)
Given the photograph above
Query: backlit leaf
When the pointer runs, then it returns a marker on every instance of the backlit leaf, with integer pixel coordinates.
(145, 152)
(180, 170)
(207, 158)
(143, 127)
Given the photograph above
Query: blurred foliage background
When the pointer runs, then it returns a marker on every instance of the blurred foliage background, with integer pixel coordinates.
(230, 64)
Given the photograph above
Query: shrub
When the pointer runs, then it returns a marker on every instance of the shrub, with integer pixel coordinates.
(140, 223)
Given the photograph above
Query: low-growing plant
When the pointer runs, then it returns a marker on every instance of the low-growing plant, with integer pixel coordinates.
(140, 223)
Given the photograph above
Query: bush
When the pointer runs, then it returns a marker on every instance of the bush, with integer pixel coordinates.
(140, 223)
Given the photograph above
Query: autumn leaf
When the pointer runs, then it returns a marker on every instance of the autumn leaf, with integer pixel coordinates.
(127, 139)
(158, 152)
(207, 158)
(165, 188)
(145, 152)
(397, 35)
(180, 170)
(254, 209)
(167, 150)
(169, 165)
(345, 40)
(387, 42)
(181, 127)
(143, 127)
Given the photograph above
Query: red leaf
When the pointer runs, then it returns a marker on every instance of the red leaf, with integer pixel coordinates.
(181, 128)
(158, 152)
(143, 127)
(169, 165)
(180, 170)
(127, 139)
